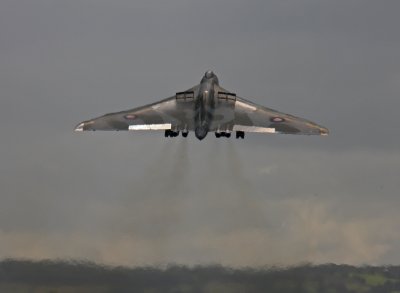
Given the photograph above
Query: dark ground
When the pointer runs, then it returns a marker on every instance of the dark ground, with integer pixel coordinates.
(59, 276)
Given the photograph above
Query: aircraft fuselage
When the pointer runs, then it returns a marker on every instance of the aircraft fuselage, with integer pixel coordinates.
(205, 104)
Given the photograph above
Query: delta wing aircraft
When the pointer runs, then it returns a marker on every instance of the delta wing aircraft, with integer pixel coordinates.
(204, 108)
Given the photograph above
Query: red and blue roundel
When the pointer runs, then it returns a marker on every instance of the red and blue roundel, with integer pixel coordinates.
(277, 119)
(130, 117)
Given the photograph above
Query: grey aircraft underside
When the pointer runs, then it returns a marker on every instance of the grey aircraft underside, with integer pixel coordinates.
(204, 108)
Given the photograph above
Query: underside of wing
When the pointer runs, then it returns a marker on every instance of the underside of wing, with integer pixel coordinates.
(242, 115)
(174, 113)
(250, 117)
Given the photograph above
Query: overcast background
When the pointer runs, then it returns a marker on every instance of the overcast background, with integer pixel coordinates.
(139, 199)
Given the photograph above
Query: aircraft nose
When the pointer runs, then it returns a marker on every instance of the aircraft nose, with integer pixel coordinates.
(201, 132)
(209, 74)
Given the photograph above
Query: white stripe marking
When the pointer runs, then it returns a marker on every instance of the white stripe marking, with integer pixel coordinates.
(253, 129)
(150, 127)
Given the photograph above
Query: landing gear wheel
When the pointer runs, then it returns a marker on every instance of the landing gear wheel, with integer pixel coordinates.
(240, 134)
(170, 133)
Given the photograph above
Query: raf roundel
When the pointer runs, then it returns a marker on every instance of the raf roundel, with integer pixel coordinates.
(277, 119)
(130, 117)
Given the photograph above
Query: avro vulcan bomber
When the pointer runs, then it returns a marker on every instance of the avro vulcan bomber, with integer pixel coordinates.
(204, 108)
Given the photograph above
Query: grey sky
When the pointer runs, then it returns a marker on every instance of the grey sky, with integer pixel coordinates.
(140, 199)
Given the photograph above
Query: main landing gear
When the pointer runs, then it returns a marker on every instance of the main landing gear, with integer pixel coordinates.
(222, 134)
(239, 134)
(170, 133)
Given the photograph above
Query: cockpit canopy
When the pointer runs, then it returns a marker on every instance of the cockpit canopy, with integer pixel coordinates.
(210, 75)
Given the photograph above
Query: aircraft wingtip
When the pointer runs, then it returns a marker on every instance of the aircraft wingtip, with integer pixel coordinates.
(79, 127)
(324, 131)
